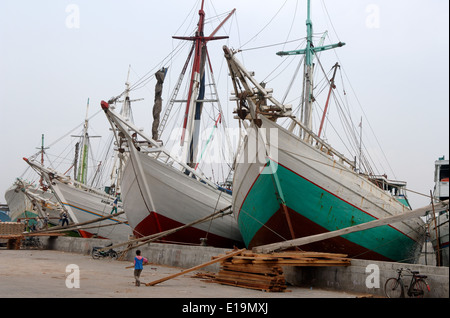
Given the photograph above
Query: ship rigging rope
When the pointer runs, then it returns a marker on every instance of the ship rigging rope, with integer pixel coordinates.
(65, 135)
(359, 104)
(292, 23)
(350, 131)
(265, 80)
(268, 23)
(215, 208)
(147, 77)
(265, 225)
(292, 80)
(345, 119)
(272, 45)
(331, 21)
(348, 125)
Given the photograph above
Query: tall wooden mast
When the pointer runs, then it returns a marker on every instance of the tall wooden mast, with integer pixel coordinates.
(309, 53)
(83, 158)
(42, 149)
(194, 104)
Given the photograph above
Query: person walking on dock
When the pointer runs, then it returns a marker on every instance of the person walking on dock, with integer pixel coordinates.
(139, 262)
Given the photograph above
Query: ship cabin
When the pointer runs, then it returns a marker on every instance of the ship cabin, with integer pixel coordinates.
(441, 179)
(394, 187)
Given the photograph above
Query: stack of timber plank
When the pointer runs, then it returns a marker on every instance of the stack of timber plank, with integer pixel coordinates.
(11, 228)
(265, 272)
(12, 232)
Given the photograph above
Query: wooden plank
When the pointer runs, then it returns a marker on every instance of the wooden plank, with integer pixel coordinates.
(44, 234)
(10, 236)
(153, 237)
(254, 281)
(251, 268)
(195, 268)
(289, 254)
(361, 227)
(287, 263)
(317, 261)
(316, 265)
(251, 258)
(73, 226)
(279, 289)
(245, 278)
(308, 254)
(263, 271)
(241, 261)
(146, 264)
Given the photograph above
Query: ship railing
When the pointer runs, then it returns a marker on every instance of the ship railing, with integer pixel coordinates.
(52, 174)
(150, 146)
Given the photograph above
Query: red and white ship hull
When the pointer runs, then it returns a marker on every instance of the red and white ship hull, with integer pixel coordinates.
(175, 199)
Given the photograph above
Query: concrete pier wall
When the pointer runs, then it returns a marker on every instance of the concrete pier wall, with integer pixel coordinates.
(365, 277)
(183, 256)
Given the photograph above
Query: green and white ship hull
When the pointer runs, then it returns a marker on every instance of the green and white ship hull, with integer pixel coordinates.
(299, 190)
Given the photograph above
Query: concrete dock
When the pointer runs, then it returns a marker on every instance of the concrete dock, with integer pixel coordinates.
(51, 273)
(47, 274)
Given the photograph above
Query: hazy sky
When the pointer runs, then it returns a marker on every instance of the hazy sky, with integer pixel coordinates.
(56, 54)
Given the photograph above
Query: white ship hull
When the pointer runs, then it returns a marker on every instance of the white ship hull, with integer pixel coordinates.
(20, 205)
(88, 206)
(85, 204)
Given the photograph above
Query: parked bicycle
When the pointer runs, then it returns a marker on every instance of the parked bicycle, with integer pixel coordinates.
(96, 253)
(418, 287)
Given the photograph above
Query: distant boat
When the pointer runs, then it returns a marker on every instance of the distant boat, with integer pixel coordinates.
(24, 198)
(162, 192)
(84, 202)
(289, 186)
(28, 201)
(438, 225)
(4, 213)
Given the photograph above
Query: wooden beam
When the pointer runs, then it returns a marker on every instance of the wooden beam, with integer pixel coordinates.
(72, 227)
(237, 252)
(153, 237)
(82, 227)
(360, 227)
(146, 264)
(43, 234)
